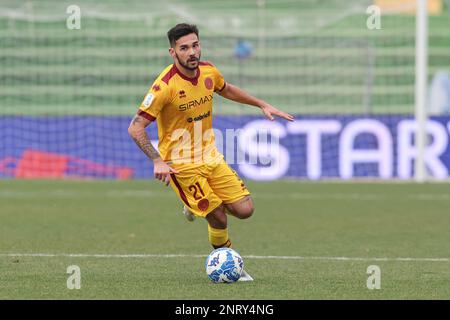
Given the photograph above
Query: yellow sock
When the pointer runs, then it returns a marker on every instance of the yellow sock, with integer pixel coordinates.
(218, 237)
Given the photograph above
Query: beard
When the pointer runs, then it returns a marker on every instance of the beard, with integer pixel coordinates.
(187, 65)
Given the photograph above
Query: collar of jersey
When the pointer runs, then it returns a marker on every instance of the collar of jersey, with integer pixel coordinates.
(193, 80)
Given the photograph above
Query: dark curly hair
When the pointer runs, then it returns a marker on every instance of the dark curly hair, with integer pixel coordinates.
(181, 30)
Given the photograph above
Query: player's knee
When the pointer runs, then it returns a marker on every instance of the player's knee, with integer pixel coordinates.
(245, 211)
(249, 212)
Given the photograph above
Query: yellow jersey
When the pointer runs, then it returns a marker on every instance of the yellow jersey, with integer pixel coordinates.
(182, 107)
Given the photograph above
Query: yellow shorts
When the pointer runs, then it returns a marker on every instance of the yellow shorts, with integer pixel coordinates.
(204, 187)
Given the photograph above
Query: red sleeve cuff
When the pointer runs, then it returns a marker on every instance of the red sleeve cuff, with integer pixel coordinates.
(146, 115)
(223, 87)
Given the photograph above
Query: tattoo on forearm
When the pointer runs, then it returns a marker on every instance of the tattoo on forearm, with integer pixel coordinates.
(142, 140)
(136, 119)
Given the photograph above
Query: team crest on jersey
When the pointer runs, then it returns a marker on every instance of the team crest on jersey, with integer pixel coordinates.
(182, 94)
(156, 87)
(203, 204)
(148, 100)
(209, 83)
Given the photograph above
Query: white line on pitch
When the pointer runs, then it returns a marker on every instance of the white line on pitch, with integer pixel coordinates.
(81, 255)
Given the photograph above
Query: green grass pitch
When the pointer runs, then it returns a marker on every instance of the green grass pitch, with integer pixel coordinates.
(304, 241)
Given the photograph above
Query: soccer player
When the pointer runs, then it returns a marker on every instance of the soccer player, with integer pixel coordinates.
(181, 101)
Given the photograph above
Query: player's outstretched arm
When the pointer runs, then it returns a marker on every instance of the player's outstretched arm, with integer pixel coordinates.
(137, 131)
(236, 94)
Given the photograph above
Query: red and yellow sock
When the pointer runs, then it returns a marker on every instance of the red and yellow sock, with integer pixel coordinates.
(218, 237)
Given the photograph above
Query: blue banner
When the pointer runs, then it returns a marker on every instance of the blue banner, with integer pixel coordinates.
(313, 147)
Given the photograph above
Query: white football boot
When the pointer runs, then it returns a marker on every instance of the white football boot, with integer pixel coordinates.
(245, 276)
(189, 215)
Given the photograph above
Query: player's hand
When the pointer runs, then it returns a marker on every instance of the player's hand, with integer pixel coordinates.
(270, 111)
(162, 171)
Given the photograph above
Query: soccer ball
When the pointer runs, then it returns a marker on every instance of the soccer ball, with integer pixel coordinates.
(224, 265)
